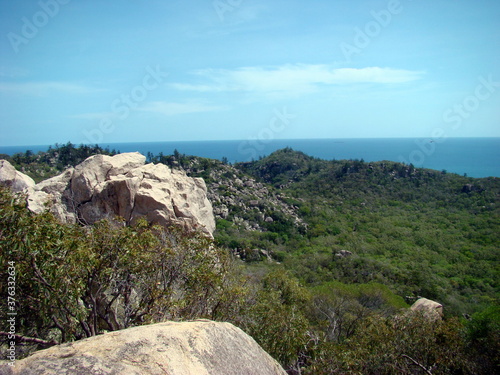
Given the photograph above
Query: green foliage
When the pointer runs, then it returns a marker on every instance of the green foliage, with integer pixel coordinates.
(338, 316)
(402, 344)
(483, 333)
(277, 320)
(418, 231)
(281, 167)
(338, 309)
(74, 282)
(38, 246)
(53, 161)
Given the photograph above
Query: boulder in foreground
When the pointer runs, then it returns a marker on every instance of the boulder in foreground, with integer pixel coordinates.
(189, 348)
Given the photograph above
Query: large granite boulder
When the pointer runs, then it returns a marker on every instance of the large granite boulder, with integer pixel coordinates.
(430, 308)
(188, 348)
(16, 181)
(122, 185)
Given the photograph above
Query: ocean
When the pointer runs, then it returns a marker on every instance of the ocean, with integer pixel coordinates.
(476, 157)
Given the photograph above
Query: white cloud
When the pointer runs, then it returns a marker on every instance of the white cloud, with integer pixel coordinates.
(94, 115)
(172, 108)
(293, 79)
(200, 88)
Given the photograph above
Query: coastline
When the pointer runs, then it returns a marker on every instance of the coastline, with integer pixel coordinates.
(476, 157)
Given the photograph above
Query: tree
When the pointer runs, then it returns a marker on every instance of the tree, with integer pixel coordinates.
(75, 282)
(483, 334)
(402, 344)
(277, 320)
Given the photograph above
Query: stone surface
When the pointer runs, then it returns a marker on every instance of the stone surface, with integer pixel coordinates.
(13, 179)
(343, 254)
(188, 348)
(122, 185)
(431, 308)
(234, 194)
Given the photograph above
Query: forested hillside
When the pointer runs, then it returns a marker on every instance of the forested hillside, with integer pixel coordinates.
(421, 232)
(317, 260)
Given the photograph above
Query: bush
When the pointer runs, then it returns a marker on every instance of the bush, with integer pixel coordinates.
(399, 345)
(277, 320)
(483, 333)
(75, 282)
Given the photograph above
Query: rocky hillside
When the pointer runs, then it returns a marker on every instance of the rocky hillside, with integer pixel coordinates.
(244, 201)
(244, 207)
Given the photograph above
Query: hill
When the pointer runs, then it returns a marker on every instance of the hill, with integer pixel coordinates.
(421, 232)
(328, 257)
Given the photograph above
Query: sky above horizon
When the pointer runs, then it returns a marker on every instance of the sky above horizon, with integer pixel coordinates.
(114, 71)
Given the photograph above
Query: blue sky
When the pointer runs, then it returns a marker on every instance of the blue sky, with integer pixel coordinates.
(125, 71)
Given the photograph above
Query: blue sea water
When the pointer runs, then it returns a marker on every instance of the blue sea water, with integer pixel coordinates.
(476, 157)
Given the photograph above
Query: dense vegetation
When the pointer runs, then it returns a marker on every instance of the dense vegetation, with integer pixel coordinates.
(420, 232)
(406, 233)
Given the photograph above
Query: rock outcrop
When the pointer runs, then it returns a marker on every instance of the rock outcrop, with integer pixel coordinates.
(430, 308)
(122, 185)
(343, 254)
(188, 348)
(13, 179)
(246, 202)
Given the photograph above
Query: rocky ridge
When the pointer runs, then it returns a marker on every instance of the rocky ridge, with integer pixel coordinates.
(122, 186)
(101, 187)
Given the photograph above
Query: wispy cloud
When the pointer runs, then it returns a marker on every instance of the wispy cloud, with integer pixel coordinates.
(229, 18)
(46, 88)
(159, 107)
(94, 115)
(175, 108)
(292, 79)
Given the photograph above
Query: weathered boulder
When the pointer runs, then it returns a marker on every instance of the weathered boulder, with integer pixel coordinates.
(343, 254)
(221, 211)
(122, 185)
(430, 308)
(13, 179)
(189, 348)
(49, 193)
